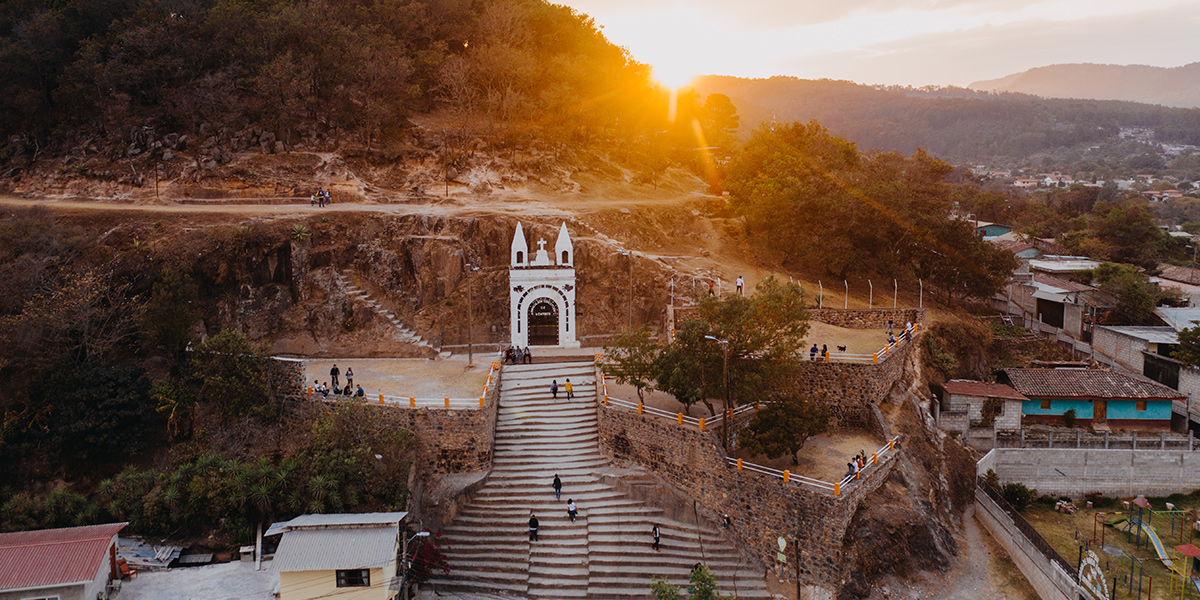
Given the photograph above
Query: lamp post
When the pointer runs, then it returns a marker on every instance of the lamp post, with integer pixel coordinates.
(404, 560)
(470, 319)
(725, 379)
(629, 324)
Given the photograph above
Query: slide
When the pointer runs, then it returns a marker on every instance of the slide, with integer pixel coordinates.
(1196, 582)
(1158, 547)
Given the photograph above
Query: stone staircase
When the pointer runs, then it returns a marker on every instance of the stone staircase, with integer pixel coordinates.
(606, 553)
(403, 333)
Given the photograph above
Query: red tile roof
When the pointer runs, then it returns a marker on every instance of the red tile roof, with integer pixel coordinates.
(979, 388)
(1087, 383)
(46, 557)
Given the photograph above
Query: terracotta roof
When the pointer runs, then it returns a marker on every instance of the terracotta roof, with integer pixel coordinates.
(980, 388)
(1086, 383)
(1062, 284)
(46, 557)
(1180, 274)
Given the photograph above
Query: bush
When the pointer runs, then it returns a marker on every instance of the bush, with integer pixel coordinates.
(1069, 418)
(233, 373)
(992, 478)
(1099, 500)
(1019, 496)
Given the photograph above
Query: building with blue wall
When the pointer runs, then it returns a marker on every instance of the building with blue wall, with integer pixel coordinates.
(1100, 399)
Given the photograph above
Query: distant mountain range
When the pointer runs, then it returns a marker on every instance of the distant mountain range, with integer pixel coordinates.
(1177, 86)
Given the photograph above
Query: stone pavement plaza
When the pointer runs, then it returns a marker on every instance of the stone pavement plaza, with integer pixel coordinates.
(419, 377)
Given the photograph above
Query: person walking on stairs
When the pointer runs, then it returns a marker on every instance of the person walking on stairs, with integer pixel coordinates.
(533, 527)
(570, 390)
(656, 533)
(557, 485)
(554, 388)
(571, 510)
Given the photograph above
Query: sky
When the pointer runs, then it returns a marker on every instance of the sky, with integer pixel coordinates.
(902, 42)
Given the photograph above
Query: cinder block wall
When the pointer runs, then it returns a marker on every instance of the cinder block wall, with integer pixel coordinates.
(1075, 472)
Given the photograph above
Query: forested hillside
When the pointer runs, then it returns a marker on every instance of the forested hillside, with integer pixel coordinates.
(954, 124)
(1177, 86)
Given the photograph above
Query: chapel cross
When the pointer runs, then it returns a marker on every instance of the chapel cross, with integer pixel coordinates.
(541, 245)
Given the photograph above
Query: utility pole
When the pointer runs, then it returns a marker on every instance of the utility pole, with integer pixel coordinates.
(629, 324)
(470, 319)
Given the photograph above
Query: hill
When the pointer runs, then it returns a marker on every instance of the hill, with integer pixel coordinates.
(956, 124)
(1177, 86)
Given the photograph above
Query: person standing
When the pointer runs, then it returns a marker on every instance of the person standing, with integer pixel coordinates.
(812, 353)
(571, 510)
(824, 352)
(333, 374)
(557, 485)
(711, 291)
(554, 388)
(320, 197)
(570, 390)
(740, 283)
(533, 527)
(349, 377)
(656, 533)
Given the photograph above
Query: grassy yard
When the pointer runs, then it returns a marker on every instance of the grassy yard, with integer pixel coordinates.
(1066, 533)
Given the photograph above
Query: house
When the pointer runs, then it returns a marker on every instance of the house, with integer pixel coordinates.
(72, 563)
(1100, 399)
(966, 403)
(1026, 184)
(990, 230)
(350, 556)
(1128, 347)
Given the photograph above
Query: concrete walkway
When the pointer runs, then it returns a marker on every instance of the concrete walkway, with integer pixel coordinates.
(606, 552)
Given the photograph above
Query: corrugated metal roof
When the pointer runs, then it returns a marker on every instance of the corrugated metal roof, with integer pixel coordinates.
(1154, 335)
(1179, 318)
(979, 388)
(1086, 383)
(328, 549)
(337, 520)
(46, 557)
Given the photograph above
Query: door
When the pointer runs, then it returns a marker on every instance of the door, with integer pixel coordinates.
(1099, 411)
(543, 323)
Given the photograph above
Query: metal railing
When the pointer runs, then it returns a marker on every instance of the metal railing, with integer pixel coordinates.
(1029, 531)
(427, 402)
(876, 357)
(834, 488)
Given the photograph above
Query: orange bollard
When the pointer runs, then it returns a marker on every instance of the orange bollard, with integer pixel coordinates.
(679, 419)
(412, 401)
(641, 408)
(447, 401)
(837, 488)
(891, 443)
(701, 423)
(758, 406)
(826, 356)
(858, 474)
(310, 391)
(787, 476)
(381, 398)
(739, 464)
(875, 357)
(481, 402)
(874, 458)
(606, 399)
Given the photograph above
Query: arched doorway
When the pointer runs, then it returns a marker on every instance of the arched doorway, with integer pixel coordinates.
(543, 323)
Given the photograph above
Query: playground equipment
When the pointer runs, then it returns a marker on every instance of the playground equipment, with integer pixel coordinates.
(1185, 575)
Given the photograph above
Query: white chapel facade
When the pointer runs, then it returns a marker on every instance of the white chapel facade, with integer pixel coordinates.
(542, 292)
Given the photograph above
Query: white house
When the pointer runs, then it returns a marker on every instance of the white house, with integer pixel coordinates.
(344, 556)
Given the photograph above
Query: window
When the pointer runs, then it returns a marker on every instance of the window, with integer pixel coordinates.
(1045, 405)
(1141, 405)
(520, 257)
(354, 578)
(565, 260)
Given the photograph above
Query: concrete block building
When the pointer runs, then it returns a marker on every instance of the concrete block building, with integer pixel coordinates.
(1101, 399)
(347, 556)
(966, 403)
(72, 563)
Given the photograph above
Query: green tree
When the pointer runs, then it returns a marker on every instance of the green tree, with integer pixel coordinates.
(663, 590)
(1188, 350)
(233, 374)
(97, 411)
(703, 584)
(1134, 296)
(631, 360)
(168, 318)
(782, 427)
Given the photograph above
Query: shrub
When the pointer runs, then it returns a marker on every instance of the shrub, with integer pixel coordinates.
(1019, 496)
(992, 478)
(1069, 418)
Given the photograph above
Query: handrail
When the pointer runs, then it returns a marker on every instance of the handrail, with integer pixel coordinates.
(835, 488)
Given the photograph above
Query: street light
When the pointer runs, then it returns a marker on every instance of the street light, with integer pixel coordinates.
(725, 379)
(629, 253)
(470, 319)
(404, 560)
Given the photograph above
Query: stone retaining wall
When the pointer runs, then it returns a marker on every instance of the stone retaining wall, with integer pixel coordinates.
(850, 389)
(285, 377)
(761, 508)
(868, 318)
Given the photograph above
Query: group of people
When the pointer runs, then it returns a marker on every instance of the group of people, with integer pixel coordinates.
(904, 335)
(824, 351)
(858, 463)
(740, 282)
(319, 199)
(567, 387)
(573, 513)
(339, 390)
(517, 355)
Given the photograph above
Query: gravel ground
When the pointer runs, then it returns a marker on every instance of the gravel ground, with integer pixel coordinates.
(408, 376)
(226, 581)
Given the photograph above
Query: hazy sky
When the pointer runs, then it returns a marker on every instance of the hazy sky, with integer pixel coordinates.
(907, 42)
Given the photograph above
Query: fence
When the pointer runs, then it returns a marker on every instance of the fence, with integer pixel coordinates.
(425, 402)
(1079, 439)
(876, 357)
(1031, 534)
(834, 488)
(680, 418)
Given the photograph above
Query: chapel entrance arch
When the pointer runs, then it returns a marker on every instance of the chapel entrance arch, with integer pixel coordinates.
(543, 322)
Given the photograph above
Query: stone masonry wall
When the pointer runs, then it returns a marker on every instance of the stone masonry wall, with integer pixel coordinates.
(761, 508)
(285, 378)
(850, 389)
(868, 318)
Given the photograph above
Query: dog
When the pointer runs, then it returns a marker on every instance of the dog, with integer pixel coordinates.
(841, 348)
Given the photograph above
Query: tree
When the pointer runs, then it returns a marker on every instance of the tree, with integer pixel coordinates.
(631, 360)
(1134, 295)
(663, 590)
(233, 374)
(764, 333)
(1188, 350)
(98, 411)
(168, 318)
(783, 426)
(703, 584)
